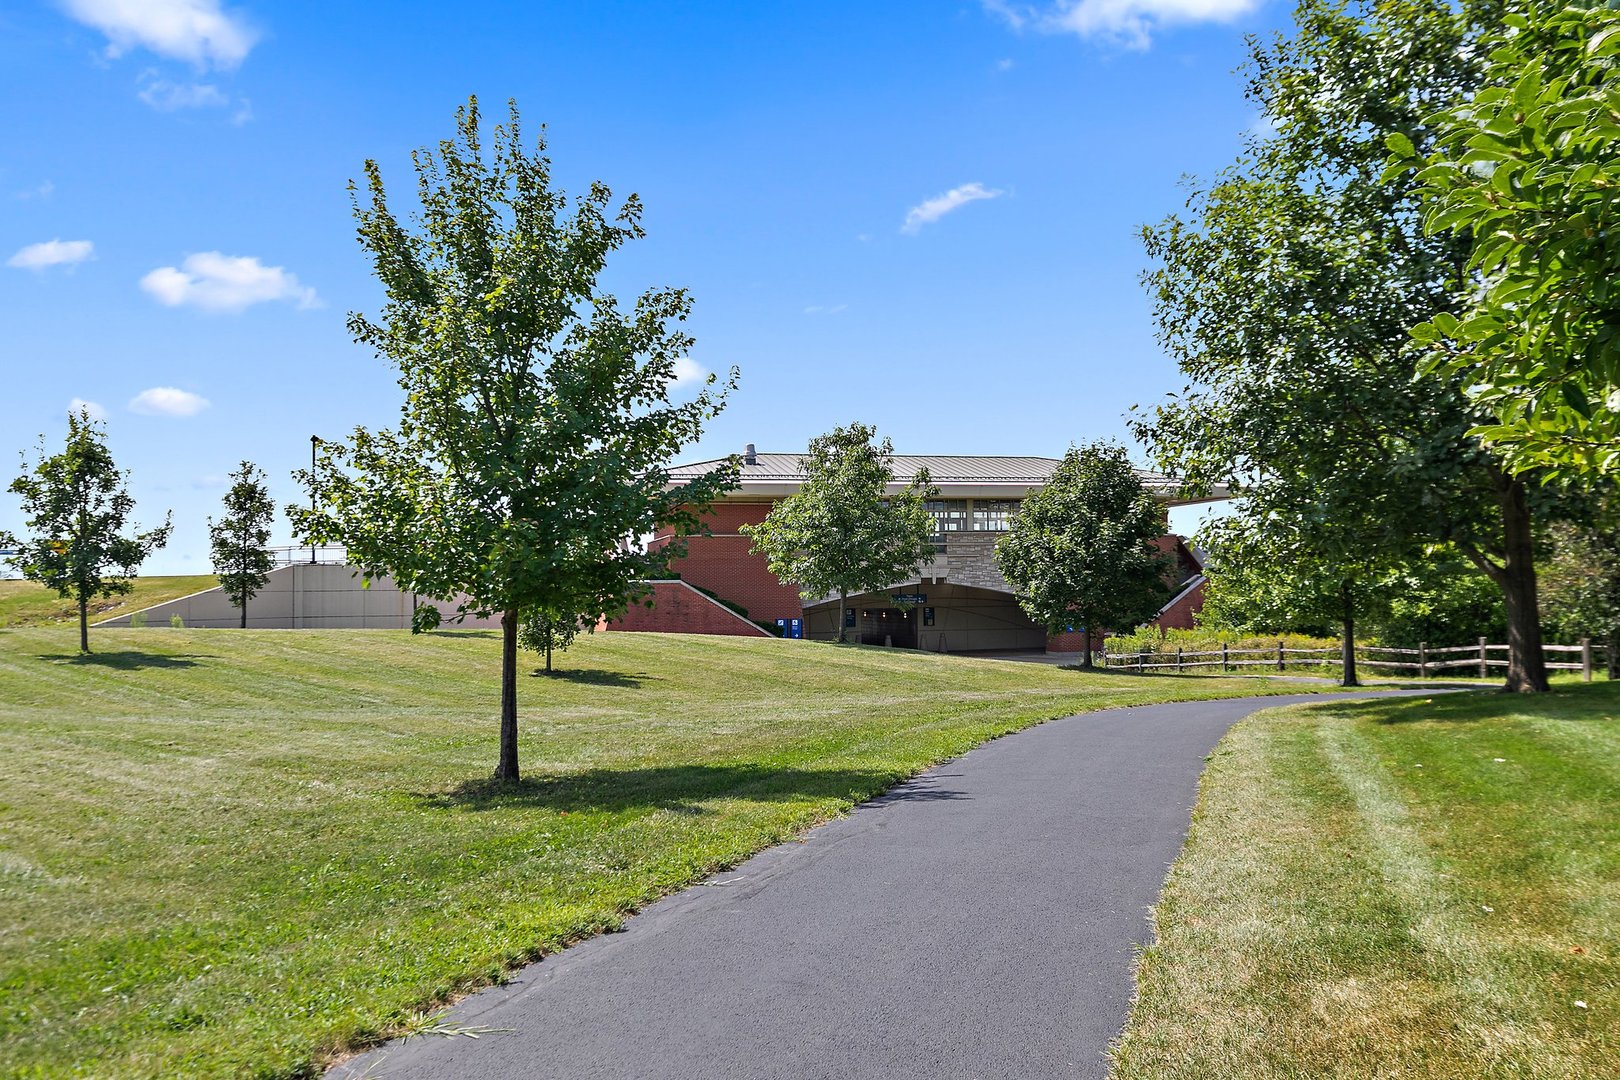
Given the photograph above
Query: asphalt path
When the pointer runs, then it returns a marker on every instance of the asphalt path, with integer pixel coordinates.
(980, 921)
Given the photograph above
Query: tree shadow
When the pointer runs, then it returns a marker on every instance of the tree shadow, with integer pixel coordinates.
(681, 788)
(592, 676)
(1471, 705)
(128, 659)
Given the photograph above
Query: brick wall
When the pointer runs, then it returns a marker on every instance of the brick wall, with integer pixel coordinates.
(1180, 614)
(680, 609)
(722, 564)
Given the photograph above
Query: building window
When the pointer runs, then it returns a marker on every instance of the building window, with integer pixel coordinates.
(950, 515)
(993, 515)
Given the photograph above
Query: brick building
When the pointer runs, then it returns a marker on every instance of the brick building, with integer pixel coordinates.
(967, 605)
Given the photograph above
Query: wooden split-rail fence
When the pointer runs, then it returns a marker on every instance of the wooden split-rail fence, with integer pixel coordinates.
(1424, 660)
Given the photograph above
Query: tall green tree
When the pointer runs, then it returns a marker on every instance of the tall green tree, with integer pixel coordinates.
(1529, 167)
(1081, 550)
(844, 532)
(77, 505)
(1287, 290)
(537, 425)
(240, 539)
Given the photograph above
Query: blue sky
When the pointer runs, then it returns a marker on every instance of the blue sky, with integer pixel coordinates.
(921, 215)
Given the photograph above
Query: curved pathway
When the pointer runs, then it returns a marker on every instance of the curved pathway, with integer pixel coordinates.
(979, 921)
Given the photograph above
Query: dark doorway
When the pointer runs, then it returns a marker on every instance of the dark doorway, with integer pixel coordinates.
(889, 625)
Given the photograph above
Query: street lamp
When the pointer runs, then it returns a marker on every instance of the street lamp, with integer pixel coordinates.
(314, 441)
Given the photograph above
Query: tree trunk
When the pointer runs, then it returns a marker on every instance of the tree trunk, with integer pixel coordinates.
(84, 623)
(507, 769)
(548, 654)
(1614, 654)
(843, 603)
(1527, 666)
(244, 612)
(1347, 648)
(1085, 647)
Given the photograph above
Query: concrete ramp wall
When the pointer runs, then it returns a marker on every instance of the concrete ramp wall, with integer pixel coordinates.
(303, 596)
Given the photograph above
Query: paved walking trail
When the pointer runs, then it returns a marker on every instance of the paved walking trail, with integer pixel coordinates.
(977, 922)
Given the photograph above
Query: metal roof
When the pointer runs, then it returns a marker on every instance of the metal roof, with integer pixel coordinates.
(943, 469)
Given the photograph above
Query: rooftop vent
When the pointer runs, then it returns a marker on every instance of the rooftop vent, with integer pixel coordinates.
(749, 457)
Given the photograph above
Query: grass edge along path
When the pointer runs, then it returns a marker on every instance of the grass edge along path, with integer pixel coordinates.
(230, 852)
(1419, 887)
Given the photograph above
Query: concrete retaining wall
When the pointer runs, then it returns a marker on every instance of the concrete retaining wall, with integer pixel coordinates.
(303, 596)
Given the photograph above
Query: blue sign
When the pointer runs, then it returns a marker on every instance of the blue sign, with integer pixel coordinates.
(910, 598)
(795, 628)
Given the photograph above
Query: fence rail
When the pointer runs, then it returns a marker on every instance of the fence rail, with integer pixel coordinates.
(1482, 656)
(327, 554)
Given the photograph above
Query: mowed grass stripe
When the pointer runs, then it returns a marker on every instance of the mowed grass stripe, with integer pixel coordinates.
(229, 853)
(1368, 891)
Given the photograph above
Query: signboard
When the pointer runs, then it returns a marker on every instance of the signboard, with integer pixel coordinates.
(791, 628)
(910, 598)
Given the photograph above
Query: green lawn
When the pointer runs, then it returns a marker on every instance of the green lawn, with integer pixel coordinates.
(23, 603)
(1416, 888)
(230, 853)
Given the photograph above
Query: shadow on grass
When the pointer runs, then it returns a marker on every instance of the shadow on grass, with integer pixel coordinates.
(1474, 704)
(591, 676)
(682, 787)
(127, 660)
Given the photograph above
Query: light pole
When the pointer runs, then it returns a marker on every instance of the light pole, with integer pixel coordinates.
(314, 441)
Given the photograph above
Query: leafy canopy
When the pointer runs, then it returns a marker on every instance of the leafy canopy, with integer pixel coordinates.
(77, 506)
(1081, 550)
(1530, 168)
(844, 532)
(239, 540)
(1287, 292)
(537, 423)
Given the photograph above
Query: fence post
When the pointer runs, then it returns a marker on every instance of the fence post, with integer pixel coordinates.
(1141, 661)
(1423, 659)
(1223, 658)
(1279, 656)
(1484, 667)
(1586, 659)
(1178, 659)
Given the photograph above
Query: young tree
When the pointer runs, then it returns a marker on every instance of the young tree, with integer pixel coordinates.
(842, 532)
(77, 505)
(1280, 572)
(1530, 168)
(1081, 550)
(537, 426)
(1287, 293)
(1582, 595)
(240, 539)
(545, 632)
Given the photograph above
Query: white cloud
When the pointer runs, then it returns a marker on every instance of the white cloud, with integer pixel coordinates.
(52, 253)
(825, 309)
(96, 411)
(1130, 23)
(198, 31)
(931, 210)
(43, 191)
(1005, 64)
(688, 371)
(216, 282)
(166, 96)
(167, 401)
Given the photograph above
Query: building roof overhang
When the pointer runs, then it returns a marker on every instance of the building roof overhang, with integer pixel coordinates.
(956, 476)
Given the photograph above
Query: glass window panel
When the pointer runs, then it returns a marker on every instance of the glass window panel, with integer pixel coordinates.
(993, 515)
